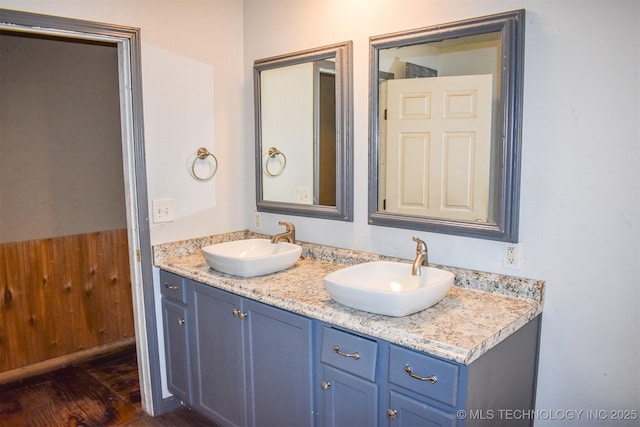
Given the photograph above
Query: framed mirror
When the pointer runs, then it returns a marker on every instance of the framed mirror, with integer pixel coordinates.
(445, 127)
(304, 141)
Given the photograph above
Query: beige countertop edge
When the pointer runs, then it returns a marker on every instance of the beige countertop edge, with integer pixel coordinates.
(406, 331)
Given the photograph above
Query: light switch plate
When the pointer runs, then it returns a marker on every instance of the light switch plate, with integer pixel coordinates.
(303, 195)
(163, 210)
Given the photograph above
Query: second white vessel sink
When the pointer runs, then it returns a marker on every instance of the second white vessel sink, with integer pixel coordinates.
(389, 288)
(251, 257)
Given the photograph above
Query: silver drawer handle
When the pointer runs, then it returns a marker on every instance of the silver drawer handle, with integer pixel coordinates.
(355, 355)
(432, 378)
(171, 287)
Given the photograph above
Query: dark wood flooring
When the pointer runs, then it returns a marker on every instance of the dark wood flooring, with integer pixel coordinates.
(100, 392)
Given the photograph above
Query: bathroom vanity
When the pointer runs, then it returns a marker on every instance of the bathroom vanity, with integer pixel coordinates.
(277, 350)
(235, 360)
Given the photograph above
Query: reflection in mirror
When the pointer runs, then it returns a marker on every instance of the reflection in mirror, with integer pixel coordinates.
(303, 133)
(445, 127)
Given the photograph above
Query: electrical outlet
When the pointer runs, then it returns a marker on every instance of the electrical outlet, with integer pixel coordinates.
(513, 256)
(257, 220)
(163, 210)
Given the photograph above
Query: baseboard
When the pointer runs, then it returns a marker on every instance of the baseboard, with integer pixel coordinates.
(168, 404)
(62, 361)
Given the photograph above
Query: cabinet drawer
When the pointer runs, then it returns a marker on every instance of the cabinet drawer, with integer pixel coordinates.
(172, 287)
(349, 353)
(424, 374)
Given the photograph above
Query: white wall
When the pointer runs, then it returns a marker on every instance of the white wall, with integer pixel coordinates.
(580, 209)
(192, 96)
(42, 155)
(289, 124)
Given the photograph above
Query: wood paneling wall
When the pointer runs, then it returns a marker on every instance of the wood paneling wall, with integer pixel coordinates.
(62, 295)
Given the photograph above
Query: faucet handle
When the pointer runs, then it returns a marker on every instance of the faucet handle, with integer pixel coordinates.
(290, 232)
(289, 226)
(421, 245)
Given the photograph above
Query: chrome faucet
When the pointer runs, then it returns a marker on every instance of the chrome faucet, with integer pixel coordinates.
(421, 257)
(289, 235)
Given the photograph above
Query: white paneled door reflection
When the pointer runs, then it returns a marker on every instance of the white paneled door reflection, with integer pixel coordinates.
(438, 146)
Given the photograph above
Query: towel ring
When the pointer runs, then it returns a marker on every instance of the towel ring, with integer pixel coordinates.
(273, 154)
(202, 154)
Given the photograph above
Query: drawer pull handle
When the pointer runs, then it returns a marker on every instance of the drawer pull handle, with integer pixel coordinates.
(392, 413)
(431, 378)
(171, 287)
(355, 355)
(237, 313)
(324, 385)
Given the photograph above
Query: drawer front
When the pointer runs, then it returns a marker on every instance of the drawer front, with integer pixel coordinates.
(172, 287)
(349, 353)
(424, 374)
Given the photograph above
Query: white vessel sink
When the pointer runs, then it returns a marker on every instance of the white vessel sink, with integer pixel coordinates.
(251, 257)
(385, 287)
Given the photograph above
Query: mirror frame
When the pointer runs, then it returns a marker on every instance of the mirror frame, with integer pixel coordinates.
(343, 211)
(511, 27)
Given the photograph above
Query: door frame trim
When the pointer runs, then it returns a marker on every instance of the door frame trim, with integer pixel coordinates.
(132, 125)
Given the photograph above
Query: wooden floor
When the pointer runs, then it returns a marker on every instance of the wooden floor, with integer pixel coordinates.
(101, 392)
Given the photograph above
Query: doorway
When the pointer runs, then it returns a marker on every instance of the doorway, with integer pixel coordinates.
(127, 42)
(63, 226)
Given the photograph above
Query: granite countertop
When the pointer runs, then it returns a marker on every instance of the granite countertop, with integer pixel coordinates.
(480, 311)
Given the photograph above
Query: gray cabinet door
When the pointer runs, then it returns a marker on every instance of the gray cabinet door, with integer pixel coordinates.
(177, 350)
(280, 366)
(407, 412)
(218, 359)
(346, 400)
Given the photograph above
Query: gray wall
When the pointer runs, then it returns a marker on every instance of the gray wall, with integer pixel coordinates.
(61, 167)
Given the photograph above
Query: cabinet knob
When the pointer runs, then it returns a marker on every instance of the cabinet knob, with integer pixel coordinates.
(171, 287)
(180, 321)
(392, 413)
(324, 385)
(237, 313)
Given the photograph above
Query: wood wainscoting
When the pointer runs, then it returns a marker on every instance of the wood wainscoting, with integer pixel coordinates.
(63, 295)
